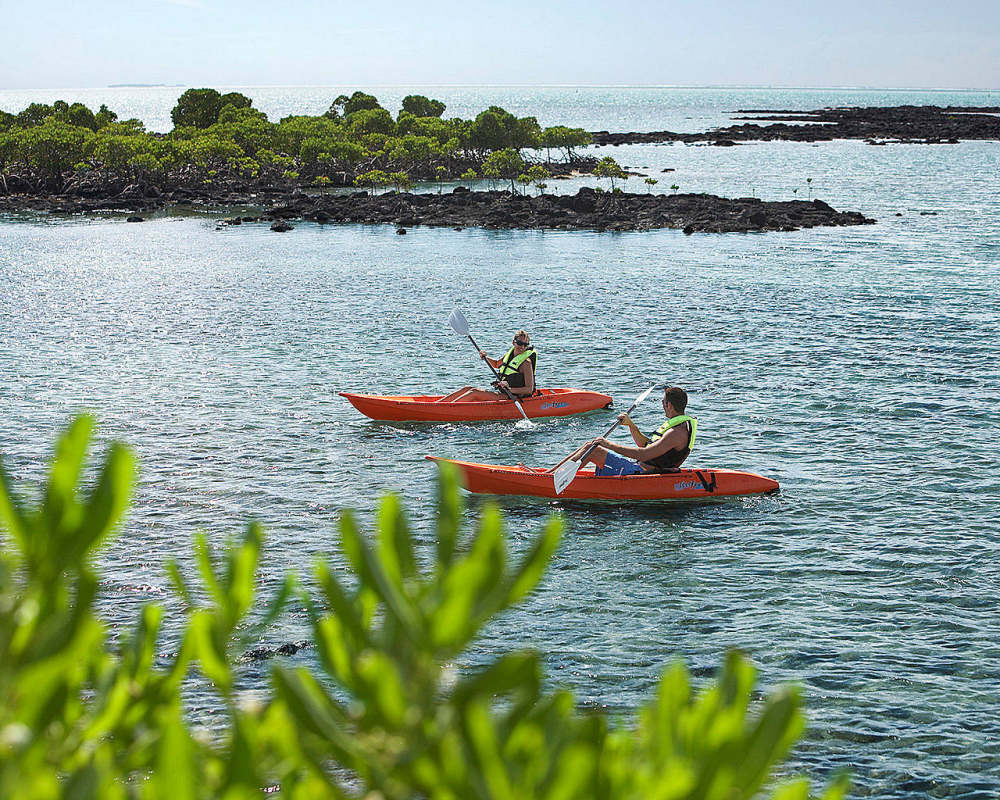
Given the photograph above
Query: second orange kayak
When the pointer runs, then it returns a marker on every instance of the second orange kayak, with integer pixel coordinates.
(685, 484)
(434, 408)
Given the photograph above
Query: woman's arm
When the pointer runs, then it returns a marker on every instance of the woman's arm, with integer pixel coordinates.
(528, 372)
(494, 362)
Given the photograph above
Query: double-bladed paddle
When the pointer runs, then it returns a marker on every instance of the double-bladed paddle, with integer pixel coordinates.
(461, 327)
(564, 473)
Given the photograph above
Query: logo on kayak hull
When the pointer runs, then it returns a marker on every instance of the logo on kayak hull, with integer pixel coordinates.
(553, 405)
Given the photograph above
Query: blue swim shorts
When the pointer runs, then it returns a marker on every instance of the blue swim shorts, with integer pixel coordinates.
(615, 464)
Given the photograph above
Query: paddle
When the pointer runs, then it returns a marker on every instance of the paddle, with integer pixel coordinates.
(564, 473)
(461, 327)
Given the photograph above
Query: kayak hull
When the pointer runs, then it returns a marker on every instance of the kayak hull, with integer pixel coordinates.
(431, 408)
(685, 484)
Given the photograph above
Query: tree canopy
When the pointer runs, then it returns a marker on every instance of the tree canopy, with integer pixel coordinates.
(219, 138)
(199, 108)
(420, 106)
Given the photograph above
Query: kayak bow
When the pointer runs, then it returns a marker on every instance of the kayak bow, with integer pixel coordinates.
(685, 484)
(432, 408)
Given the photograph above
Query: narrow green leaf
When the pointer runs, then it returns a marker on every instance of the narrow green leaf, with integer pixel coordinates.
(395, 544)
(533, 567)
(511, 672)
(12, 517)
(482, 737)
(449, 513)
(778, 727)
(106, 504)
(242, 562)
(206, 569)
(385, 694)
(177, 581)
(374, 577)
(59, 505)
(839, 788)
(346, 611)
(794, 790)
(314, 710)
(279, 600)
(175, 777)
(211, 657)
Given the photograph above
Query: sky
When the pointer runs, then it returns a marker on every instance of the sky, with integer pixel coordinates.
(781, 43)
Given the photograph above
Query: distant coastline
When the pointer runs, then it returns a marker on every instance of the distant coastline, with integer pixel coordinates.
(143, 85)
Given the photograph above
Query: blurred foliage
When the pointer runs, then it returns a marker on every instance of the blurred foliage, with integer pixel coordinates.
(391, 714)
(68, 148)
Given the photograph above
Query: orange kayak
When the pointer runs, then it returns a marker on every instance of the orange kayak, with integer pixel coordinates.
(685, 484)
(434, 408)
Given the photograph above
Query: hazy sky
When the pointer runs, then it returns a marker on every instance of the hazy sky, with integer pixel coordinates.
(432, 42)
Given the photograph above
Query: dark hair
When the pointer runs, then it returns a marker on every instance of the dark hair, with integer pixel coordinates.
(677, 397)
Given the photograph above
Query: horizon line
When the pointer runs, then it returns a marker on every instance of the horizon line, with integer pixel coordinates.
(782, 87)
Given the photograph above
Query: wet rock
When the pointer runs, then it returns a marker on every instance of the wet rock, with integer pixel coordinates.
(135, 219)
(265, 652)
(587, 209)
(401, 231)
(874, 125)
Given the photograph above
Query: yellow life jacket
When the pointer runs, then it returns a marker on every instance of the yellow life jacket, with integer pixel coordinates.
(509, 367)
(673, 458)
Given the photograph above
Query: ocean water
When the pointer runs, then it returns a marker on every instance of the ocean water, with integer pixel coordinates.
(858, 366)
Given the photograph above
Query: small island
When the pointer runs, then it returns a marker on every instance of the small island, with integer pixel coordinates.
(588, 209)
(895, 124)
(222, 152)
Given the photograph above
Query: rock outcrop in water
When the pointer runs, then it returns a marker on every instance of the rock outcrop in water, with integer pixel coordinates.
(917, 124)
(588, 209)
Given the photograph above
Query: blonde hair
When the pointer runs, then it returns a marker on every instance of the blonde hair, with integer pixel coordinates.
(523, 334)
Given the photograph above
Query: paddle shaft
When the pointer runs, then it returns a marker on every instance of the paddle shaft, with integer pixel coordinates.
(590, 449)
(503, 389)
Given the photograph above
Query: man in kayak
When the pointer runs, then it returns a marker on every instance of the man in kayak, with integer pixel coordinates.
(516, 370)
(662, 451)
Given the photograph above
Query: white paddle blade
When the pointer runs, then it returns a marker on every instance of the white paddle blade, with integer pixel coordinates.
(564, 474)
(458, 323)
(643, 396)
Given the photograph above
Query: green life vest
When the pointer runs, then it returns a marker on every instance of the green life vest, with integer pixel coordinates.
(509, 368)
(673, 458)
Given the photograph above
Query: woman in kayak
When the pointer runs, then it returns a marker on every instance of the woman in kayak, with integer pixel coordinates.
(662, 451)
(516, 370)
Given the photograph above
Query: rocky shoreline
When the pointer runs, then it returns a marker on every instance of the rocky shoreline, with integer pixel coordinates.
(877, 125)
(586, 210)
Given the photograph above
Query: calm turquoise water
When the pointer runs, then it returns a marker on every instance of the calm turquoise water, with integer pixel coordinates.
(858, 366)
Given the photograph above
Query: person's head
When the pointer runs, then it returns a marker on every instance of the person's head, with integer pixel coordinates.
(521, 340)
(675, 397)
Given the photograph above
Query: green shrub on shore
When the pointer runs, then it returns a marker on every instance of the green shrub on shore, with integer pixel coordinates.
(392, 715)
(68, 148)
